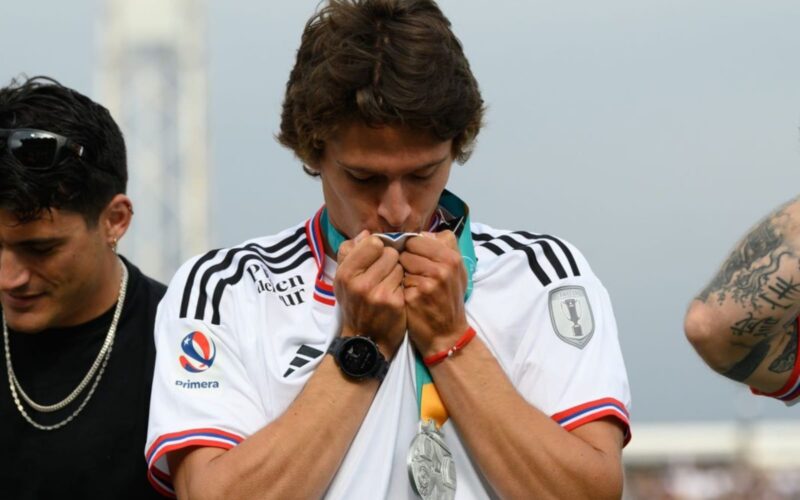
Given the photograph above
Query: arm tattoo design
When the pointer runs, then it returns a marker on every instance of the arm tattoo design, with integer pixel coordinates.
(757, 327)
(753, 327)
(742, 370)
(750, 279)
(741, 277)
(786, 361)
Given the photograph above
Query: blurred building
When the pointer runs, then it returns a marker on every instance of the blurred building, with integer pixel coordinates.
(740, 460)
(152, 76)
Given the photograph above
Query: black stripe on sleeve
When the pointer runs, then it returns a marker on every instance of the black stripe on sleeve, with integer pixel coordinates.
(532, 261)
(493, 248)
(228, 260)
(187, 288)
(219, 289)
(279, 259)
(551, 257)
(482, 237)
(299, 260)
(211, 271)
(570, 258)
(286, 241)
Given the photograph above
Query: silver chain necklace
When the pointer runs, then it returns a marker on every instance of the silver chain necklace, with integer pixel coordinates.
(99, 364)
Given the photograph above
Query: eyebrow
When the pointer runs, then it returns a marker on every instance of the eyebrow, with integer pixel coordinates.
(359, 168)
(55, 240)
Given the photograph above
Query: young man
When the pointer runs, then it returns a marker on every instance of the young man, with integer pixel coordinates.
(464, 362)
(77, 319)
(744, 323)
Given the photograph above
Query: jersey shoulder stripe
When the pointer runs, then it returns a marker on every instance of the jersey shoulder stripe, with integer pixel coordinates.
(537, 248)
(218, 269)
(187, 289)
(256, 256)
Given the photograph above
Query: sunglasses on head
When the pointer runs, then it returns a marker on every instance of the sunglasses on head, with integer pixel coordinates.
(35, 148)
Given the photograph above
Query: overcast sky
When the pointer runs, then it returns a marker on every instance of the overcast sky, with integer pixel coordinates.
(651, 134)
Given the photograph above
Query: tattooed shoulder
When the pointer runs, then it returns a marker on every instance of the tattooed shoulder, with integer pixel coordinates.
(751, 264)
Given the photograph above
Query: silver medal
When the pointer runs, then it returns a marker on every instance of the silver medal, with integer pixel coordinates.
(431, 469)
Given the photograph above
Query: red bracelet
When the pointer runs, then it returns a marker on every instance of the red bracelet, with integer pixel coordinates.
(460, 344)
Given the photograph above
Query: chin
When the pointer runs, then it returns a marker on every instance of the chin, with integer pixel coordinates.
(26, 322)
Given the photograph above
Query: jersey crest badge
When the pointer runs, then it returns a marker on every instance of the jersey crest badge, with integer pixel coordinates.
(199, 352)
(571, 315)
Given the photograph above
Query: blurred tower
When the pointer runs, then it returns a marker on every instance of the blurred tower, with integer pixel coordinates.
(152, 77)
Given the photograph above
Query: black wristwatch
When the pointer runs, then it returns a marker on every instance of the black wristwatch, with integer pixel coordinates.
(359, 357)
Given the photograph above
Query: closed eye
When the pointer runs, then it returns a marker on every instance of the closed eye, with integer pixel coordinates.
(425, 173)
(40, 248)
(361, 178)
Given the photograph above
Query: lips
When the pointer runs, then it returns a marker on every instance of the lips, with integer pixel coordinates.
(20, 302)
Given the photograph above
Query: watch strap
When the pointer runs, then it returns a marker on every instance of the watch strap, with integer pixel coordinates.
(335, 346)
(382, 367)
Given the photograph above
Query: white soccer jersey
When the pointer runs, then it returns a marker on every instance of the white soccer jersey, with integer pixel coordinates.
(241, 330)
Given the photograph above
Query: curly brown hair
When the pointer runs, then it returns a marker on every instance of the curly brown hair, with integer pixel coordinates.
(383, 62)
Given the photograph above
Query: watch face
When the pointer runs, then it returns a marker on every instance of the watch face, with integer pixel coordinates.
(358, 357)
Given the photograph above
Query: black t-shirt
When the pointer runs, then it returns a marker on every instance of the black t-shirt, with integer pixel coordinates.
(100, 453)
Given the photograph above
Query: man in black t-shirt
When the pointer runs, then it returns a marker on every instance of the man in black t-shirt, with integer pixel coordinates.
(77, 318)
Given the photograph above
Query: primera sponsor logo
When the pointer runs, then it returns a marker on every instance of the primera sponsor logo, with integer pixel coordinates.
(197, 384)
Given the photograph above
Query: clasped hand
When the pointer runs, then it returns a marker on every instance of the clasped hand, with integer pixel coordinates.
(383, 293)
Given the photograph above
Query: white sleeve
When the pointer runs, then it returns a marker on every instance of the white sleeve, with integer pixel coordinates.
(202, 394)
(569, 364)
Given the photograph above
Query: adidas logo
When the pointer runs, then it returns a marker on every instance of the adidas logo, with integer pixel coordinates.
(304, 355)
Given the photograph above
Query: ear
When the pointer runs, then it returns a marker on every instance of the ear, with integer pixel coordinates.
(312, 170)
(116, 218)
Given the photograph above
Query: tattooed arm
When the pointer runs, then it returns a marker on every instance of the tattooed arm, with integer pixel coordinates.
(743, 323)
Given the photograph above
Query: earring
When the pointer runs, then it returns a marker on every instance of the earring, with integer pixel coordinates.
(113, 244)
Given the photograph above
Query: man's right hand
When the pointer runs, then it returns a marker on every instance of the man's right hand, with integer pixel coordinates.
(369, 290)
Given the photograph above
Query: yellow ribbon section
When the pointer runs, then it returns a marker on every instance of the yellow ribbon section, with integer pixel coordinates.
(431, 406)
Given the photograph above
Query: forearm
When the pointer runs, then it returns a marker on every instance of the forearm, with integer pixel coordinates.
(521, 451)
(280, 460)
(742, 323)
(741, 347)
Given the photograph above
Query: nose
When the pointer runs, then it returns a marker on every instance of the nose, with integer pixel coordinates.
(394, 208)
(13, 273)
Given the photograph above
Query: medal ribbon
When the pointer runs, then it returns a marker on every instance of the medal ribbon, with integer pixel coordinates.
(430, 404)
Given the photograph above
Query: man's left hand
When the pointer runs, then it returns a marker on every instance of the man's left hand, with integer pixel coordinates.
(434, 286)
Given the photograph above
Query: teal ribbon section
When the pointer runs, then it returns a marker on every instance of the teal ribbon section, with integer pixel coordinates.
(454, 206)
(332, 235)
(458, 208)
